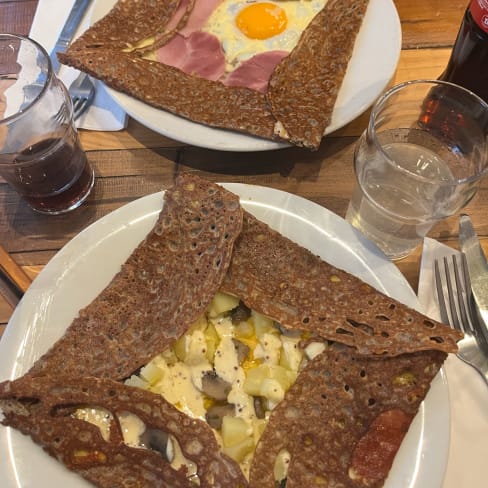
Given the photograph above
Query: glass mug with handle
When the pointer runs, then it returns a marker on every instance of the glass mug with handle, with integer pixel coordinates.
(40, 152)
(420, 160)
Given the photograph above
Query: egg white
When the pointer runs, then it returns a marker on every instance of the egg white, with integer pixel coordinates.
(238, 47)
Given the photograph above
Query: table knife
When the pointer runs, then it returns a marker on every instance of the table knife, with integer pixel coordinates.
(477, 265)
(69, 29)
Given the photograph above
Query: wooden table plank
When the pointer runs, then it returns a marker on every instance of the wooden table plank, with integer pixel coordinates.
(121, 176)
(16, 16)
(430, 23)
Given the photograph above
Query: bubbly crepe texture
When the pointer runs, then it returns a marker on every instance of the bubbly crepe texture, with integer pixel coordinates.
(363, 391)
(164, 286)
(302, 90)
(350, 414)
(41, 407)
(286, 282)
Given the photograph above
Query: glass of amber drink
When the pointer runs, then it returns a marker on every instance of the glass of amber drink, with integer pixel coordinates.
(40, 153)
(420, 160)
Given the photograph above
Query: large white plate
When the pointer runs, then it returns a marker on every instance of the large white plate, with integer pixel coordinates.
(87, 263)
(375, 57)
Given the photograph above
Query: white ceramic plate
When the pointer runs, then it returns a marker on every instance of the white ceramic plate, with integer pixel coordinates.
(372, 66)
(87, 263)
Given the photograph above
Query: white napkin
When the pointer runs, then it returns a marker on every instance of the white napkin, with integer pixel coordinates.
(467, 391)
(104, 113)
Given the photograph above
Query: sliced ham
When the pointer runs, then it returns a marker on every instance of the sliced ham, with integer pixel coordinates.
(255, 72)
(202, 9)
(199, 15)
(178, 15)
(199, 54)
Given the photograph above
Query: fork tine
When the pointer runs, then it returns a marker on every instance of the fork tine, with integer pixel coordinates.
(460, 289)
(473, 349)
(79, 106)
(440, 293)
(451, 299)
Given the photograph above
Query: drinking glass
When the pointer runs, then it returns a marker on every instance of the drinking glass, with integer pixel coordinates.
(420, 160)
(40, 153)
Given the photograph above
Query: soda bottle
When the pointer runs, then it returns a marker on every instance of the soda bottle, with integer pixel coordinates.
(468, 64)
(467, 67)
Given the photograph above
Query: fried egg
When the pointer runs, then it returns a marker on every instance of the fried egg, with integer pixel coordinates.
(246, 28)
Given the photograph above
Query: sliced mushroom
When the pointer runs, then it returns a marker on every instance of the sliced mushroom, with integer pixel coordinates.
(242, 350)
(157, 440)
(216, 413)
(240, 314)
(214, 386)
(259, 406)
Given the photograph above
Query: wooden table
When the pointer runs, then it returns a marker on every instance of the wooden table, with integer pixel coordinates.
(135, 162)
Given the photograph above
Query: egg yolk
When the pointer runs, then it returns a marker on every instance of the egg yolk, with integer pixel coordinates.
(261, 20)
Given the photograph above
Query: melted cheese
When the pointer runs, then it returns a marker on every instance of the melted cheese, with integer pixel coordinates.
(271, 366)
(97, 416)
(178, 388)
(132, 428)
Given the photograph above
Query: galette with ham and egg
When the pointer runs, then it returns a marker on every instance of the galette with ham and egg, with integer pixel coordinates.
(272, 69)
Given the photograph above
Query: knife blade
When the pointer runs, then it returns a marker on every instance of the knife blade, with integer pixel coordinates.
(73, 21)
(477, 265)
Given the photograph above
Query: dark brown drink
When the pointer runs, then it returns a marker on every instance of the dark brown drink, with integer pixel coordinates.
(40, 153)
(468, 64)
(52, 175)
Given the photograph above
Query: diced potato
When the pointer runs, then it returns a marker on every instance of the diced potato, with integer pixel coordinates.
(222, 303)
(272, 390)
(199, 324)
(212, 339)
(244, 330)
(291, 355)
(263, 324)
(196, 348)
(151, 373)
(269, 348)
(226, 363)
(160, 361)
(314, 349)
(250, 342)
(138, 382)
(251, 362)
(234, 430)
(169, 356)
(255, 378)
(239, 451)
(180, 347)
(223, 327)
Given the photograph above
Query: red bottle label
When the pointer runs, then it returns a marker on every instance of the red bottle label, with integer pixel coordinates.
(479, 11)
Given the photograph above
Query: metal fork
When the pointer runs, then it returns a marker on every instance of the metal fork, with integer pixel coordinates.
(460, 313)
(82, 92)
